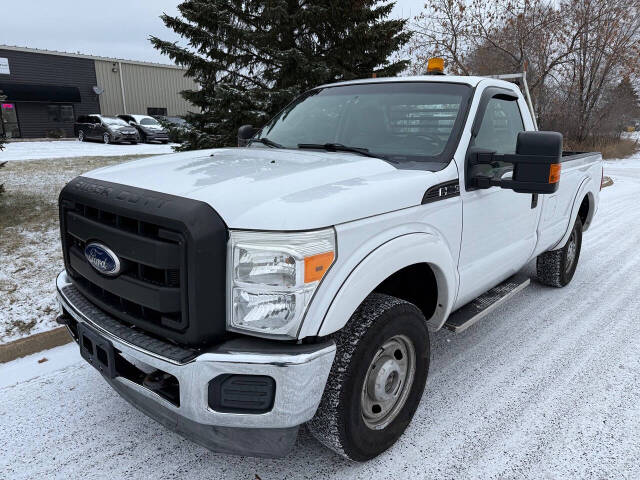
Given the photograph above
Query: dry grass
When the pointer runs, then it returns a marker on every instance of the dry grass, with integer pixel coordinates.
(30, 255)
(610, 147)
(32, 187)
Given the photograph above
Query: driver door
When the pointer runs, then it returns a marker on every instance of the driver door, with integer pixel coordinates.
(499, 225)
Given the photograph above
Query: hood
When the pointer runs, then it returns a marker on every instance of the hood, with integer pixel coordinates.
(276, 189)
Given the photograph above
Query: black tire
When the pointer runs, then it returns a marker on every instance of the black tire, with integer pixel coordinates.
(339, 423)
(557, 267)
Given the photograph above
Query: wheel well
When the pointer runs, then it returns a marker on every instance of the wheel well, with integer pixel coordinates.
(416, 284)
(583, 212)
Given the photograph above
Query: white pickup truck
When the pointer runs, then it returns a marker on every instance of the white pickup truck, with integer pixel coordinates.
(235, 294)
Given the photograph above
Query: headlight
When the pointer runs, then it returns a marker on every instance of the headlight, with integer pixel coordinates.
(272, 278)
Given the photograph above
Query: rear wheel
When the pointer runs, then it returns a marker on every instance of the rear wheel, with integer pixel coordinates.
(557, 267)
(106, 139)
(377, 379)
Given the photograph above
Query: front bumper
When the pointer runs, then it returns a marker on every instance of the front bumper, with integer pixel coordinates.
(126, 137)
(157, 137)
(300, 373)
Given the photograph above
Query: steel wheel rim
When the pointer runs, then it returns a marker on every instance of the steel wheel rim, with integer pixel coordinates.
(105, 137)
(572, 248)
(388, 382)
(81, 136)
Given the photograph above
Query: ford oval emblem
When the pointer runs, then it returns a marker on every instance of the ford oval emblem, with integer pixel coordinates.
(102, 259)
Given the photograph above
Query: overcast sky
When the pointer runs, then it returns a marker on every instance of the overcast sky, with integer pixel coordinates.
(116, 28)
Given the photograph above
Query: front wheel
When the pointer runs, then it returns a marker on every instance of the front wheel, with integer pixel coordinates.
(106, 139)
(81, 136)
(377, 378)
(557, 267)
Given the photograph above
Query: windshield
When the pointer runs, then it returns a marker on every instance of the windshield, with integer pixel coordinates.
(398, 121)
(114, 121)
(148, 121)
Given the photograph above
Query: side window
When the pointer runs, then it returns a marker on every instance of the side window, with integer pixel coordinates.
(500, 126)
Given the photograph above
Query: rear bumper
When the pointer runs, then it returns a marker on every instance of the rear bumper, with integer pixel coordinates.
(299, 371)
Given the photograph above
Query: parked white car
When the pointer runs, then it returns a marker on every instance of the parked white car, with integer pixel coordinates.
(235, 294)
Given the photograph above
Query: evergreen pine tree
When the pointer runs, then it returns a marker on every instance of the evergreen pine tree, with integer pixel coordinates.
(252, 57)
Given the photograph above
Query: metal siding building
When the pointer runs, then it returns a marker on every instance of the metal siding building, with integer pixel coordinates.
(146, 86)
(46, 91)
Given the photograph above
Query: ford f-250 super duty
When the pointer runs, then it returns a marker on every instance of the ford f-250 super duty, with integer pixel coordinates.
(235, 294)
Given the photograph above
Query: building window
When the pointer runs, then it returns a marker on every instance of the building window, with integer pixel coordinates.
(153, 111)
(61, 113)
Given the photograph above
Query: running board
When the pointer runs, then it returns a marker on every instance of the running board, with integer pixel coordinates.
(477, 309)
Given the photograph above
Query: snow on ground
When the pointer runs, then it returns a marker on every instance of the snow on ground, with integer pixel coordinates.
(30, 255)
(546, 387)
(18, 151)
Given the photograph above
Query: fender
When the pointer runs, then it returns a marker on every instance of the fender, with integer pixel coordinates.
(577, 201)
(384, 261)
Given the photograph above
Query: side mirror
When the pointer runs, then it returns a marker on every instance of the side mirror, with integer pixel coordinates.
(132, 123)
(536, 164)
(246, 133)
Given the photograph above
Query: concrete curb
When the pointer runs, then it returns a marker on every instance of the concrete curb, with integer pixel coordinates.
(34, 344)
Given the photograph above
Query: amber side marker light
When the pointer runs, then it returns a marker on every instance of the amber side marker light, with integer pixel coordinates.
(435, 66)
(316, 266)
(554, 173)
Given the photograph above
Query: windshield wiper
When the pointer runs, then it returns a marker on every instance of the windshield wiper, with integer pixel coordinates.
(266, 141)
(338, 147)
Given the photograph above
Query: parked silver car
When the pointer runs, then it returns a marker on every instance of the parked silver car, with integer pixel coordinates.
(148, 128)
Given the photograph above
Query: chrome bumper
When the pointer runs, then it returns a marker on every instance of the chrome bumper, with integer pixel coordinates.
(300, 373)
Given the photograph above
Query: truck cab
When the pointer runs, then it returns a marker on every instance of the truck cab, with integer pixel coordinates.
(235, 294)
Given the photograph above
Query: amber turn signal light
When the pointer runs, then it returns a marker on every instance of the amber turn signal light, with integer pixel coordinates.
(554, 173)
(316, 266)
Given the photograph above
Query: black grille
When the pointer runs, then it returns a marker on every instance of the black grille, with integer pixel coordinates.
(172, 252)
(81, 228)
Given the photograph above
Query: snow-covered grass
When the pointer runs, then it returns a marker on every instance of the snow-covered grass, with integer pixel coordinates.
(30, 256)
(547, 386)
(19, 151)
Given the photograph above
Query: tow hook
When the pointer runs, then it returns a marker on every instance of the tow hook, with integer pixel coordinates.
(63, 319)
